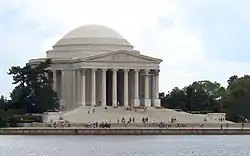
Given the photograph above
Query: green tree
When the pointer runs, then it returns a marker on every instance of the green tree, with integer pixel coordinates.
(237, 101)
(33, 92)
(176, 99)
(232, 79)
(208, 95)
(199, 96)
(3, 102)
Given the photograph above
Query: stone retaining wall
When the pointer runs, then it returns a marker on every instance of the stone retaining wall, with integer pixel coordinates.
(131, 125)
(122, 131)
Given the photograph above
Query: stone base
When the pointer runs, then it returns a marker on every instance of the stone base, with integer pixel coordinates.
(136, 102)
(157, 102)
(114, 103)
(147, 102)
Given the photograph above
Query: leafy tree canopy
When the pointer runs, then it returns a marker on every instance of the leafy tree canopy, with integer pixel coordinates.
(33, 92)
(212, 97)
(238, 98)
(3, 102)
(199, 96)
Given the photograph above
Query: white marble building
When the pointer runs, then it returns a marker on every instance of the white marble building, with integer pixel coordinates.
(95, 65)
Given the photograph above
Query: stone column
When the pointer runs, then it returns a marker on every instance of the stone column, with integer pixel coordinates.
(104, 87)
(147, 100)
(93, 87)
(74, 97)
(63, 90)
(66, 101)
(136, 87)
(153, 90)
(157, 101)
(114, 87)
(126, 87)
(54, 81)
(83, 88)
(78, 87)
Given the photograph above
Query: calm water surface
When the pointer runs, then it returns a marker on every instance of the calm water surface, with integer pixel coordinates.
(124, 145)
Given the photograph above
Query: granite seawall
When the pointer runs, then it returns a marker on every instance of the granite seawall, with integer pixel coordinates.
(123, 131)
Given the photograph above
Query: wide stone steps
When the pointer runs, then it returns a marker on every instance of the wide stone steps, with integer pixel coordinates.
(80, 115)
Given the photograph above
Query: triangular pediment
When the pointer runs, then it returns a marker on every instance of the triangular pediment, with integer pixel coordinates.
(125, 56)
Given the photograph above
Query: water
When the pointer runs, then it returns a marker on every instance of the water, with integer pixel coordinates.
(124, 145)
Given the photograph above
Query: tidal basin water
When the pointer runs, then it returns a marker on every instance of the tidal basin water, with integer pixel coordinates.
(124, 145)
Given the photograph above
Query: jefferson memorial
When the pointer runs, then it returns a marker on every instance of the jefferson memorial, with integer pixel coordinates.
(94, 65)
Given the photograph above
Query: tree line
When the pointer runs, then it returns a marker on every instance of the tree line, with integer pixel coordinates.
(33, 93)
(206, 96)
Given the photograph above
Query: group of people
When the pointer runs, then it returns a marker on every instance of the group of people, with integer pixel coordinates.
(59, 123)
(132, 120)
(96, 125)
(123, 120)
(145, 120)
(93, 110)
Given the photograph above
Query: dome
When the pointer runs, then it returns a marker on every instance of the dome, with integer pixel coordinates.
(93, 31)
(88, 40)
(93, 35)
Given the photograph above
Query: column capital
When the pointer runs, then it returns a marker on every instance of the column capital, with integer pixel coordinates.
(82, 71)
(126, 70)
(93, 69)
(147, 70)
(104, 69)
(157, 71)
(136, 70)
(65, 69)
(114, 69)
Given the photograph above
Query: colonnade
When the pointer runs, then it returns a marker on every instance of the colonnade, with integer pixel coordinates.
(89, 87)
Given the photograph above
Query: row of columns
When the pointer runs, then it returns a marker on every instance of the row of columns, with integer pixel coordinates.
(79, 80)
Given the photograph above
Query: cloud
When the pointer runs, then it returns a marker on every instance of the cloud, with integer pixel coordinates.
(174, 30)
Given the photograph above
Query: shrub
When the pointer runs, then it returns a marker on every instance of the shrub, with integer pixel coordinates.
(3, 122)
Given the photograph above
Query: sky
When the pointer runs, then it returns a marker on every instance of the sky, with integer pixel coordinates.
(197, 39)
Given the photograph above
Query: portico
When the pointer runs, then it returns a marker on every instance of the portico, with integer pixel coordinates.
(113, 87)
(94, 66)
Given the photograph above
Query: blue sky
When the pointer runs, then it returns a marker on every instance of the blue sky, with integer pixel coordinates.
(197, 39)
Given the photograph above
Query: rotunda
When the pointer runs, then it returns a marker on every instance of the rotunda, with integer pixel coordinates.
(93, 65)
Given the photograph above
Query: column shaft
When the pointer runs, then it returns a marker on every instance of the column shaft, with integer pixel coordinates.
(83, 87)
(74, 97)
(126, 87)
(54, 81)
(146, 88)
(78, 87)
(147, 101)
(157, 101)
(66, 89)
(136, 88)
(104, 87)
(114, 87)
(153, 89)
(157, 85)
(93, 87)
(63, 90)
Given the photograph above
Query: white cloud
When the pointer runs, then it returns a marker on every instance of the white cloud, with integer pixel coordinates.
(131, 18)
(156, 28)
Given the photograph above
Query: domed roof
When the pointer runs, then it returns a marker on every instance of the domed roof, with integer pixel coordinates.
(93, 31)
(93, 35)
(88, 40)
